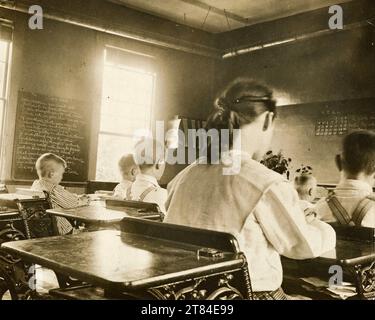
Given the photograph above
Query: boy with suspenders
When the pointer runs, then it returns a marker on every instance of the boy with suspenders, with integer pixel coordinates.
(149, 156)
(129, 171)
(352, 202)
(306, 186)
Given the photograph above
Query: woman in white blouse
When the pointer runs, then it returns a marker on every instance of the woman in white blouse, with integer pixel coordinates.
(257, 205)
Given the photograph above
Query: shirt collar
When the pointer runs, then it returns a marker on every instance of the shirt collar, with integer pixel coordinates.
(355, 184)
(43, 185)
(226, 157)
(147, 178)
(47, 183)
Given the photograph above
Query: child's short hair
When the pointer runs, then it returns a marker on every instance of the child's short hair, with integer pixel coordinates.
(358, 152)
(126, 163)
(45, 162)
(148, 152)
(303, 183)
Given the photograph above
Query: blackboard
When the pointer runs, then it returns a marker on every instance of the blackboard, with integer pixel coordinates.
(50, 124)
(311, 134)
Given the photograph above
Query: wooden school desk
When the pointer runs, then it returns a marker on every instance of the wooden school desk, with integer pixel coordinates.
(95, 216)
(354, 252)
(146, 260)
(99, 214)
(8, 230)
(9, 211)
(136, 209)
(9, 199)
(20, 222)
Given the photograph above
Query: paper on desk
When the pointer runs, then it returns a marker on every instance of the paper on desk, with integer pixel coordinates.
(343, 291)
(316, 282)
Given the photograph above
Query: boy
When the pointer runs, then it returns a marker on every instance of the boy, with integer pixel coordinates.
(149, 155)
(306, 185)
(50, 169)
(129, 170)
(352, 202)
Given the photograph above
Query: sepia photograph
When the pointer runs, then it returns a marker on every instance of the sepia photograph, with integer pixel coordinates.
(187, 150)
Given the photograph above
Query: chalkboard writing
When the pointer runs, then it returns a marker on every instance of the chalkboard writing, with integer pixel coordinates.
(50, 124)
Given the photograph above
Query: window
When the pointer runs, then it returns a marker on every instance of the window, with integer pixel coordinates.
(5, 54)
(127, 99)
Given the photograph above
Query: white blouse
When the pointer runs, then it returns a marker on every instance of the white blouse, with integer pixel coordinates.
(258, 206)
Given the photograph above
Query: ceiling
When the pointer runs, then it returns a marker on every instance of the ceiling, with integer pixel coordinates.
(223, 15)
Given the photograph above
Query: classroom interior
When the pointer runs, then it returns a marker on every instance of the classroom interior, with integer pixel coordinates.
(100, 69)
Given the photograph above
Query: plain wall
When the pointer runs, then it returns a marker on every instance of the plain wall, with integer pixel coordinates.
(335, 67)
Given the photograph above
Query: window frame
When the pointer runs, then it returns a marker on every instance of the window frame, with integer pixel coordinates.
(152, 73)
(5, 97)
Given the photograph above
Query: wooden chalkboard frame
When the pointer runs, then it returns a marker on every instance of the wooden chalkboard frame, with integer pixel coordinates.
(83, 174)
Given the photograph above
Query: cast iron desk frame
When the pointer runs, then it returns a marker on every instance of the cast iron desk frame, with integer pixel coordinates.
(172, 270)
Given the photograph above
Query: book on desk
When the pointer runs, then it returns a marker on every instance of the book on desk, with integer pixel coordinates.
(354, 255)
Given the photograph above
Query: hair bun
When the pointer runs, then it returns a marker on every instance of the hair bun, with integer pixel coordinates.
(222, 103)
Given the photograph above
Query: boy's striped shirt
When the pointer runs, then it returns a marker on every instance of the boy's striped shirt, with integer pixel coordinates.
(60, 198)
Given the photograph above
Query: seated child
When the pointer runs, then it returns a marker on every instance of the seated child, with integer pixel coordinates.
(306, 186)
(129, 170)
(50, 169)
(149, 155)
(352, 202)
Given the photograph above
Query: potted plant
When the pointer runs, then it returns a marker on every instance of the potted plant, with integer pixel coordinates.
(277, 162)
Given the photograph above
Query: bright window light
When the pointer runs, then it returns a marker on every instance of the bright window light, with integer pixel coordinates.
(4, 68)
(127, 99)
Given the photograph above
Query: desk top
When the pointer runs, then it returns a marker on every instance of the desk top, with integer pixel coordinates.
(351, 252)
(9, 214)
(9, 200)
(14, 196)
(346, 253)
(119, 260)
(97, 213)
